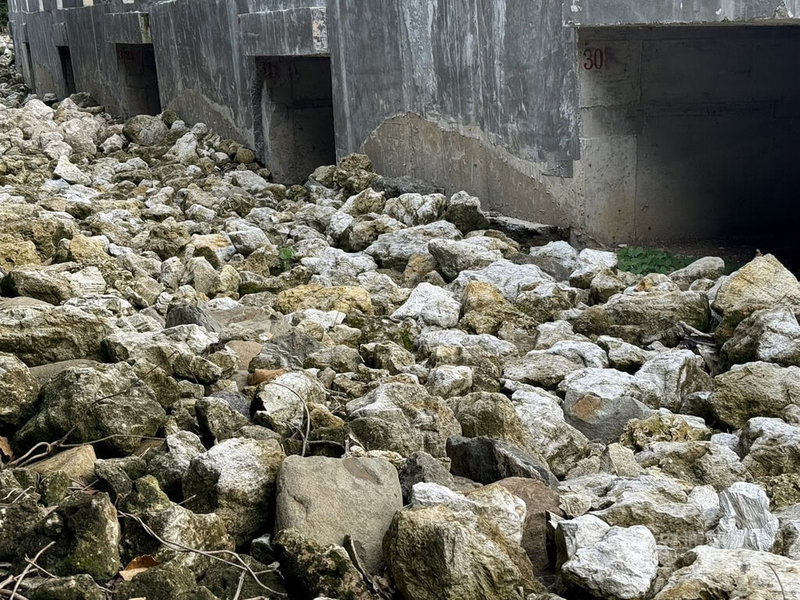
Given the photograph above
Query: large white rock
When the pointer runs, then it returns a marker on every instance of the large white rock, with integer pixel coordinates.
(745, 520)
(510, 278)
(769, 335)
(236, 480)
(430, 305)
(735, 574)
(395, 248)
(416, 209)
(454, 256)
(70, 173)
(608, 562)
(558, 259)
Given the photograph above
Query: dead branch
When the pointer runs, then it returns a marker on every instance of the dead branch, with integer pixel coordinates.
(17, 579)
(235, 562)
(305, 412)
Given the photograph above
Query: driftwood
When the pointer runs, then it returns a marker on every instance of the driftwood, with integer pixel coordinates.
(702, 344)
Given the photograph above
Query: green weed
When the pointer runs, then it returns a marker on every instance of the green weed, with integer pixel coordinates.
(644, 261)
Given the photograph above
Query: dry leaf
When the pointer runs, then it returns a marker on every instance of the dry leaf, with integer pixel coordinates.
(5, 448)
(138, 565)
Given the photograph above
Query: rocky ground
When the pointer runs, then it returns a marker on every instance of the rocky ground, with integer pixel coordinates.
(215, 386)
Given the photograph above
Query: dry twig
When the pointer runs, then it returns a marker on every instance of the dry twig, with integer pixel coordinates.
(305, 412)
(235, 561)
(17, 579)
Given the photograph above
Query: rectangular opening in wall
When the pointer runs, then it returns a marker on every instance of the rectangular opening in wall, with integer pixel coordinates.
(66, 70)
(296, 110)
(137, 67)
(697, 128)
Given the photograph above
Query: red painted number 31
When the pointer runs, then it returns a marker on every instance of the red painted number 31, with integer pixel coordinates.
(594, 58)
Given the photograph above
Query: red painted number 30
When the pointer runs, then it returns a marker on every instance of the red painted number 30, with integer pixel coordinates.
(594, 58)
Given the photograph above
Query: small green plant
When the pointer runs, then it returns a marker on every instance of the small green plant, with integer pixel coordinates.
(286, 256)
(644, 261)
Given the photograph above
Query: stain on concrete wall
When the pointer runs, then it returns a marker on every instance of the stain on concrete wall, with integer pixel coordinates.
(502, 71)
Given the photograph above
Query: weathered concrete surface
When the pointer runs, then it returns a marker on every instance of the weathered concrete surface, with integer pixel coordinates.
(508, 88)
(595, 13)
(292, 32)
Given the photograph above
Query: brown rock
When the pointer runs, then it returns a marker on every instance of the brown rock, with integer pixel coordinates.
(342, 298)
(539, 500)
(78, 463)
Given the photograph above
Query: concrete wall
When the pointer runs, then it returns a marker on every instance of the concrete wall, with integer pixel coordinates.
(595, 13)
(204, 71)
(456, 91)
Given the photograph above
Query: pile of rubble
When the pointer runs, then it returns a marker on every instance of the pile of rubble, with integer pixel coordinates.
(215, 386)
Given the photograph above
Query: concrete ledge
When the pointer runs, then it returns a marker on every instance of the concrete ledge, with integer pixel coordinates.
(617, 13)
(294, 32)
(128, 28)
(60, 34)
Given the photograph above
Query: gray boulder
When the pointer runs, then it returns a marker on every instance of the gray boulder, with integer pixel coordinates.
(659, 503)
(282, 403)
(756, 389)
(548, 368)
(545, 429)
(449, 380)
(402, 418)
(415, 209)
(486, 460)
(763, 283)
(641, 318)
(600, 402)
(711, 572)
(328, 499)
(588, 264)
(675, 374)
(464, 211)
(605, 561)
(320, 570)
(39, 335)
(454, 256)
(771, 447)
(421, 467)
(432, 547)
(768, 335)
(394, 249)
(19, 391)
(170, 464)
(708, 267)
(108, 402)
(236, 480)
(698, 462)
(510, 278)
(204, 532)
(218, 420)
(86, 533)
(745, 519)
(430, 305)
(145, 130)
(558, 259)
